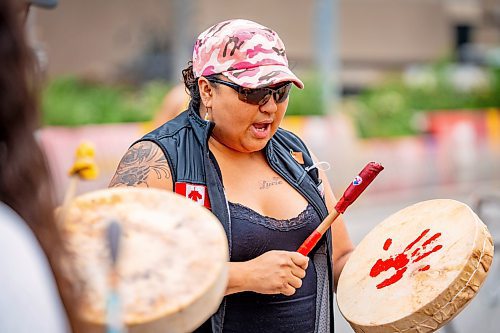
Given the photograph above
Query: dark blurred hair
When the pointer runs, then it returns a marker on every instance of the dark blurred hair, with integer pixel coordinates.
(191, 84)
(25, 184)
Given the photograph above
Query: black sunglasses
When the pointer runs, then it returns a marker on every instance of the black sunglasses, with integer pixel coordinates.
(257, 96)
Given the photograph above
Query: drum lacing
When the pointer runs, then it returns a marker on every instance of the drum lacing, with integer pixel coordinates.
(473, 273)
(468, 281)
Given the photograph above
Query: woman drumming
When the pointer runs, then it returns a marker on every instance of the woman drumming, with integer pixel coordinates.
(228, 153)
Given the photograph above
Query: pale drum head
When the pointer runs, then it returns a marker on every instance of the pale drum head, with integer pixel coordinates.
(172, 260)
(416, 270)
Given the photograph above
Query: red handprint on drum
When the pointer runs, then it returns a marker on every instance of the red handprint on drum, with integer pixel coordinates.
(400, 261)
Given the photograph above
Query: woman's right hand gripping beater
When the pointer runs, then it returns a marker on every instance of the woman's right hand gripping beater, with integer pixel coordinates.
(274, 272)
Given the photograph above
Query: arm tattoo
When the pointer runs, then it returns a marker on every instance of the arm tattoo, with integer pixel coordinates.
(265, 184)
(138, 163)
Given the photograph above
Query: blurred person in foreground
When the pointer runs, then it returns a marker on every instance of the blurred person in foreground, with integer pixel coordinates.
(34, 295)
(228, 153)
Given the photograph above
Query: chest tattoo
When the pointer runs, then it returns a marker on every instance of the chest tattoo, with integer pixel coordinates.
(265, 184)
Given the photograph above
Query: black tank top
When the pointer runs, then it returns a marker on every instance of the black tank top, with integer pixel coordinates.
(252, 235)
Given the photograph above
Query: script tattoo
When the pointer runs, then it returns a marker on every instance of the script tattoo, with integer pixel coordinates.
(265, 184)
(139, 162)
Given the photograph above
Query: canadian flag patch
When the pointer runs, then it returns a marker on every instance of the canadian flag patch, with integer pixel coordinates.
(197, 193)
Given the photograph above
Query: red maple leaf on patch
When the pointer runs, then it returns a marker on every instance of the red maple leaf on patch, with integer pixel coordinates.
(194, 195)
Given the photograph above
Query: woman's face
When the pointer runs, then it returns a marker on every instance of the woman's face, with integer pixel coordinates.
(242, 126)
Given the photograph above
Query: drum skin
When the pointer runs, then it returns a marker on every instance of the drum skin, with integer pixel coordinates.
(172, 263)
(416, 270)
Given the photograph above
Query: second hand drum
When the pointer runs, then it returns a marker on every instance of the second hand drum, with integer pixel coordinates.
(171, 265)
(416, 270)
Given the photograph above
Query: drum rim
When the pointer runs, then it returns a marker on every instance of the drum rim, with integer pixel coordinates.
(172, 309)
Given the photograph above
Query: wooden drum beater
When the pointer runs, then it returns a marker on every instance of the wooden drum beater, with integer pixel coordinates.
(358, 185)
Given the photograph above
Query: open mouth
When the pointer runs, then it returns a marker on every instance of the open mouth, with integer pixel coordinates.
(261, 127)
(261, 130)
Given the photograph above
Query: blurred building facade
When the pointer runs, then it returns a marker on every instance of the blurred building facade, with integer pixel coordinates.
(139, 40)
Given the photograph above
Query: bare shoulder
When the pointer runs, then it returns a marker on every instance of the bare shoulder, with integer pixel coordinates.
(143, 165)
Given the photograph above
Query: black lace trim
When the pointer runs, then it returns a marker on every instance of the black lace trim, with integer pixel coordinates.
(242, 212)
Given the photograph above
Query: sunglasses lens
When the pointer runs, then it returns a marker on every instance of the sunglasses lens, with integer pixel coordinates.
(266, 98)
(261, 96)
(281, 93)
(255, 96)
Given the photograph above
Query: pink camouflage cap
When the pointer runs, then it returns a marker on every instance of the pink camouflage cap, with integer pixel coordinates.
(245, 52)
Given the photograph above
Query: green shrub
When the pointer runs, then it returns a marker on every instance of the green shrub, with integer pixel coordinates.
(384, 112)
(307, 101)
(72, 102)
(391, 108)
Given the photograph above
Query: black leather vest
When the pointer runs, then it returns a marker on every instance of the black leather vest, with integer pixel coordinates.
(184, 141)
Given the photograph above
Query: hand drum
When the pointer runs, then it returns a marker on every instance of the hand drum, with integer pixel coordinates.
(416, 270)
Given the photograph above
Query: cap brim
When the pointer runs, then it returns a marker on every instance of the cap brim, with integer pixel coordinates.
(263, 76)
